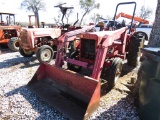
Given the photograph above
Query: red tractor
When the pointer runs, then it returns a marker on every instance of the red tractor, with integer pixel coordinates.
(9, 31)
(43, 41)
(96, 60)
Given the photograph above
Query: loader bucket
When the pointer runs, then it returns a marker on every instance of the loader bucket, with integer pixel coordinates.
(74, 95)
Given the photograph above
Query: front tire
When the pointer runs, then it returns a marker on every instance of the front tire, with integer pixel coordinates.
(13, 44)
(44, 54)
(114, 72)
(25, 53)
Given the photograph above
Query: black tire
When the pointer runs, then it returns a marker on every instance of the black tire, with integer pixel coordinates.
(25, 53)
(114, 72)
(45, 53)
(13, 44)
(72, 66)
(136, 43)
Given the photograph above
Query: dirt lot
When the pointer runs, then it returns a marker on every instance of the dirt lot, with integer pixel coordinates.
(17, 102)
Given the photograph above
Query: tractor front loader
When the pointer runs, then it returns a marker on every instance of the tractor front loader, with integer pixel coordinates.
(70, 90)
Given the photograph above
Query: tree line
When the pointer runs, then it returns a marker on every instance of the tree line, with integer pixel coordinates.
(87, 6)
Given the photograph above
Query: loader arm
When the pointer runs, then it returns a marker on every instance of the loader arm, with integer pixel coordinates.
(66, 37)
(107, 41)
(63, 42)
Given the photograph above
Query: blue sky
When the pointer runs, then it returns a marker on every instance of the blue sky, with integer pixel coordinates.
(107, 7)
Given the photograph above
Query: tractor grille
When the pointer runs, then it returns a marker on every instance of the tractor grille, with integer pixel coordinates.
(88, 49)
(23, 37)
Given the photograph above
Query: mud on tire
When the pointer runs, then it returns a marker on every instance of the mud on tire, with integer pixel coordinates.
(13, 44)
(25, 53)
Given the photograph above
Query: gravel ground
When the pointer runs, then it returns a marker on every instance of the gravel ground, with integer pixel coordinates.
(19, 103)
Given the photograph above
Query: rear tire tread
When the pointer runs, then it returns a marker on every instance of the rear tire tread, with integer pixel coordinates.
(11, 44)
(21, 51)
(136, 43)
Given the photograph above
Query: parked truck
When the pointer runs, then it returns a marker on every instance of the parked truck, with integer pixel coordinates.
(146, 30)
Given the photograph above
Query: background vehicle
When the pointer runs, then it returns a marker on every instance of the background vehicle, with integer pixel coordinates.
(75, 92)
(143, 27)
(43, 41)
(140, 20)
(146, 30)
(9, 31)
(105, 24)
(30, 22)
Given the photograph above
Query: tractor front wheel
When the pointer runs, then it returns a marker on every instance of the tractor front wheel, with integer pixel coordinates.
(13, 44)
(114, 72)
(44, 54)
(73, 67)
(25, 53)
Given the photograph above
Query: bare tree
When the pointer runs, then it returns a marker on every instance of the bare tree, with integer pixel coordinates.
(154, 40)
(68, 13)
(108, 17)
(57, 20)
(87, 6)
(144, 12)
(34, 6)
(95, 18)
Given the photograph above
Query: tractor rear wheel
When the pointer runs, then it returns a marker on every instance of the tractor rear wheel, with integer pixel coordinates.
(13, 44)
(25, 53)
(136, 43)
(73, 67)
(44, 54)
(114, 72)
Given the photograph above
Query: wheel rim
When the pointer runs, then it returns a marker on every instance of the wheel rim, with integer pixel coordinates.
(46, 55)
(17, 44)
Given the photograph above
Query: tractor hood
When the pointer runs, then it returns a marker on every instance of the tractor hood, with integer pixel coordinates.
(28, 35)
(10, 27)
(41, 32)
(100, 35)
